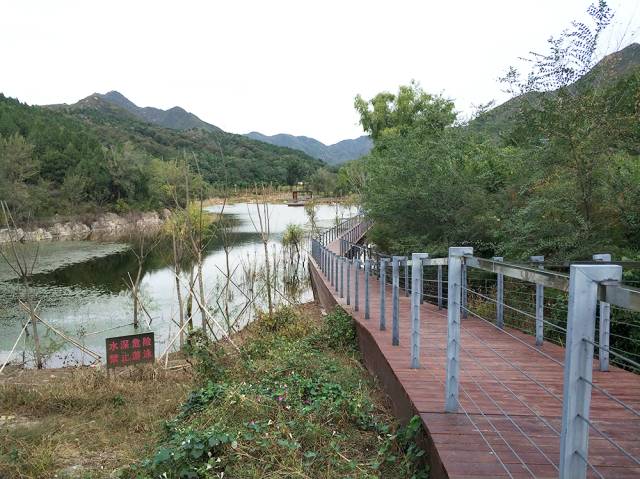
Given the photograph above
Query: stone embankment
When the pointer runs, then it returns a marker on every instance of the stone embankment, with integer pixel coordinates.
(106, 226)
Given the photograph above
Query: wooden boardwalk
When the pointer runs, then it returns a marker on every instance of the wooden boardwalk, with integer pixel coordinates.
(508, 422)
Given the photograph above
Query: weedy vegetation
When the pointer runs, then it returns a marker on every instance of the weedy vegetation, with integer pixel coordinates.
(295, 402)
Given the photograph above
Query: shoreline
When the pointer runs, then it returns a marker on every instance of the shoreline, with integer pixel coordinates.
(280, 197)
(104, 226)
(112, 226)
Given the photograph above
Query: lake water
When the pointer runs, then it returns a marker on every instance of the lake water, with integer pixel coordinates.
(80, 285)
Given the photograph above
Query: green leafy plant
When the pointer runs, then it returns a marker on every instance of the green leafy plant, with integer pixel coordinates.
(205, 355)
(289, 405)
(339, 330)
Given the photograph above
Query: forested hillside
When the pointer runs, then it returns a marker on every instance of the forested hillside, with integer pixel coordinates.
(498, 121)
(555, 171)
(94, 154)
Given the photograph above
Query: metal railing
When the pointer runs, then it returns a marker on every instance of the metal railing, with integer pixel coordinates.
(589, 291)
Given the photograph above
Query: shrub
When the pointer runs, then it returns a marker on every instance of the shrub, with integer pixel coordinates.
(291, 405)
(338, 330)
(205, 355)
(283, 316)
(293, 237)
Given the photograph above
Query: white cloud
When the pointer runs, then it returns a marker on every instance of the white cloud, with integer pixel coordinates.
(277, 66)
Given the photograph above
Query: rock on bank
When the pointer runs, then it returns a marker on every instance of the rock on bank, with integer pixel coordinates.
(105, 226)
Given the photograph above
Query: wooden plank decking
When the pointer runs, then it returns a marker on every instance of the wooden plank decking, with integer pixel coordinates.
(510, 395)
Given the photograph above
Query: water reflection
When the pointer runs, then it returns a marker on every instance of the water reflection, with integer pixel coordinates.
(81, 285)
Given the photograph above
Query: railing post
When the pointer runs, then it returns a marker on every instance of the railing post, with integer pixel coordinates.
(356, 295)
(416, 294)
(454, 300)
(326, 262)
(406, 278)
(576, 398)
(395, 294)
(349, 263)
(331, 265)
(539, 305)
(421, 285)
(323, 258)
(605, 322)
(383, 291)
(499, 296)
(342, 276)
(367, 273)
(337, 257)
(463, 290)
(439, 286)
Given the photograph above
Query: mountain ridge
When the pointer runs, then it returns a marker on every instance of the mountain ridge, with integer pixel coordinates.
(223, 156)
(176, 118)
(334, 154)
(498, 120)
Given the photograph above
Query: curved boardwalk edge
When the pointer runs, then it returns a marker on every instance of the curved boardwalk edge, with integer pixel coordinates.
(377, 364)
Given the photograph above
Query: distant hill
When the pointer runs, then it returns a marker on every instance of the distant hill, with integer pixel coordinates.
(224, 156)
(335, 154)
(97, 154)
(498, 121)
(175, 118)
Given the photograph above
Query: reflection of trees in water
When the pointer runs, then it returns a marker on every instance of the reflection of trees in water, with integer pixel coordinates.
(48, 295)
(75, 293)
(104, 274)
(79, 285)
(108, 272)
(295, 281)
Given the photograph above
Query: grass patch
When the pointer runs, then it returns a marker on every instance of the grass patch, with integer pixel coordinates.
(79, 423)
(295, 402)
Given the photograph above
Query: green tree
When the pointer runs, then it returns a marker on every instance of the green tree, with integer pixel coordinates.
(127, 168)
(411, 108)
(323, 181)
(352, 177)
(18, 173)
(74, 190)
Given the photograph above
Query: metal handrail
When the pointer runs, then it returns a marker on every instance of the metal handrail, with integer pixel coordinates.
(608, 290)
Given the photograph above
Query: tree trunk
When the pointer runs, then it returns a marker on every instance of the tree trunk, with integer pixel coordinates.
(34, 327)
(190, 301)
(268, 274)
(176, 261)
(201, 292)
(136, 292)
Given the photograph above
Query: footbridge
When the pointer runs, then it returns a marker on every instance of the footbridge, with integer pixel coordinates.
(517, 370)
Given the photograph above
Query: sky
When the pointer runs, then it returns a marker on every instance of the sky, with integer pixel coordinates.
(278, 66)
